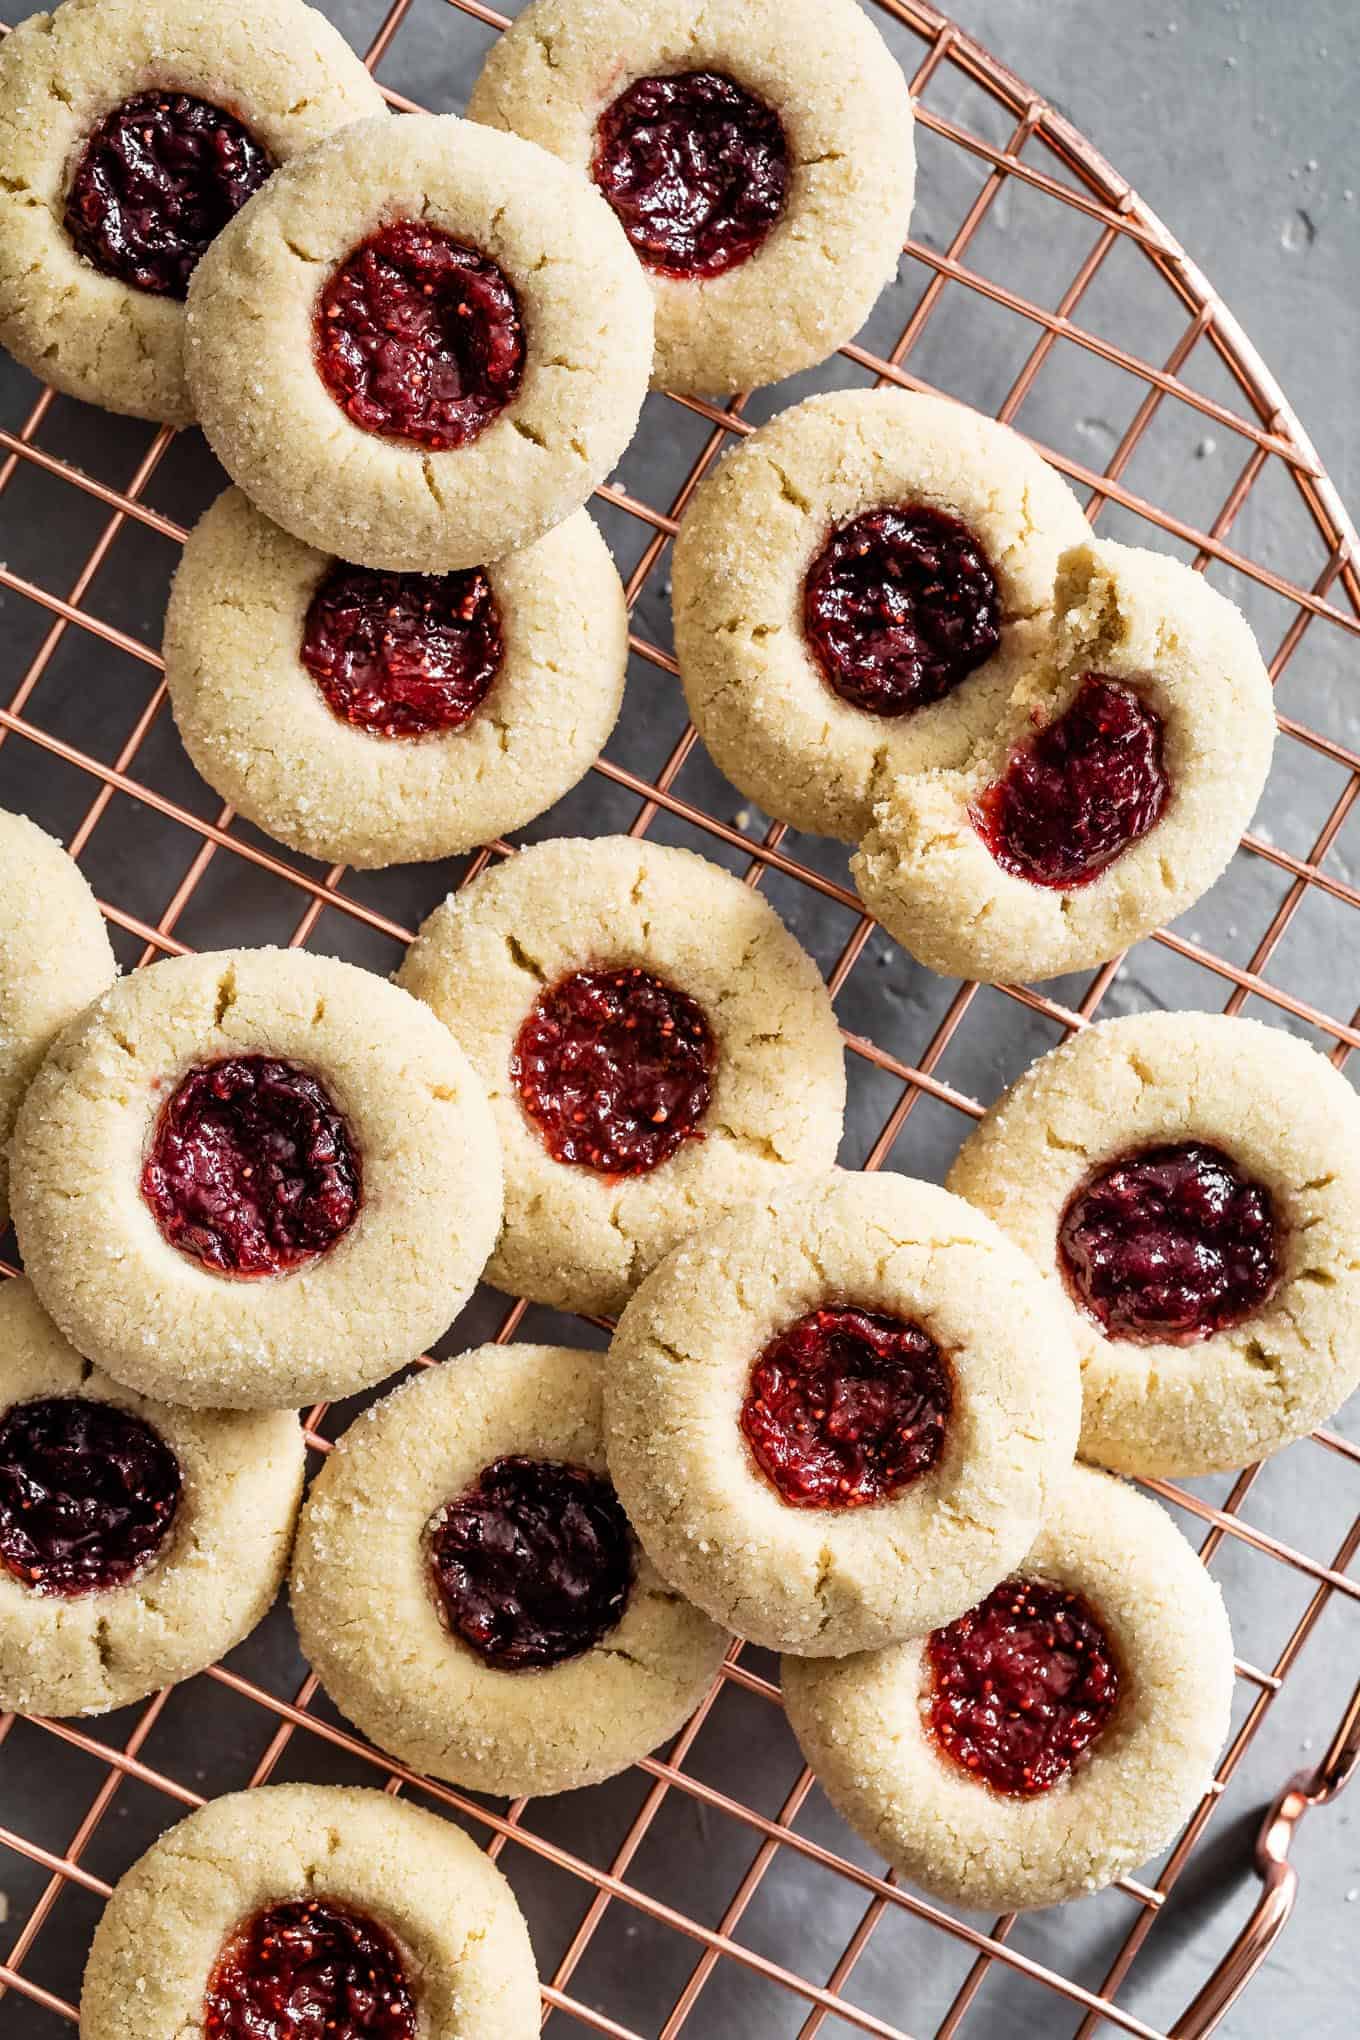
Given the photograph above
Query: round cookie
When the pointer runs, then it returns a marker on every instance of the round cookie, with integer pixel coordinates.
(1213, 1288)
(996, 1807)
(655, 1045)
(760, 154)
(468, 1591)
(138, 1541)
(420, 346)
(374, 719)
(1111, 796)
(130, 131)
(836, 1417)
(254, 1179)
(363, 1893)
(54, 958)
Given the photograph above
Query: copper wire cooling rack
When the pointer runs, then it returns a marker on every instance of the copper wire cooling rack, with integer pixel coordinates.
(711, 1891)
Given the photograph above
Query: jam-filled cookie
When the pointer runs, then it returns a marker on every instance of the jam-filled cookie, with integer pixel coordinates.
(376, 718)
(1190, 1185)
(468, 1589)
(836, 1417)
(138, 1541)
(254, 1179)
(421, 346)
(54, 958)
(759, 155)
(311, 1909)
(656, 1047)
(858, 589)
(1110, 796)
(131, 131)
(1054, 1736)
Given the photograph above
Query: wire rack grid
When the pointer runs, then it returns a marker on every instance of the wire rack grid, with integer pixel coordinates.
(591, 1888)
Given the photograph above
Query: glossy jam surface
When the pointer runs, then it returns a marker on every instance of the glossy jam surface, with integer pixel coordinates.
(403, 655)
(614, 1067)
(251, 1169)
(1076, 794)
(156, 182)
(695, 167)
(87, 1494)
(1021, 1686)
(309, 1970)
(899, 606)
(1170, 1245)
(847, 1407)
(419, 337)
(533, 1564)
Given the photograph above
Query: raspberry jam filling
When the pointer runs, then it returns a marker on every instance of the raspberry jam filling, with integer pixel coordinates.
(403, 655)
(87, 1494)
(899, 606)
(419, 337)
(696, 168)
(309, 1970)
(1021, 1686)
(1170, 1245)
(1080, 791)
(156, 182)
(533, 1564)
(251, 1170)
(847, 1407)
(615, 1069)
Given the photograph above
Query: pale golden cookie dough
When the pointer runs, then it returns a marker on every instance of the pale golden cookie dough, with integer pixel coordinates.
(462, 1939)
(1133, 616)
(573, 1237)
(826, 1581)
(165, 1323)
(387, 502)
(281, 69)
(847, 119)
(371, 1625)
(215, 1574)
(758, 697)
(259, 728)
(861, 1724)
(1290, 1121)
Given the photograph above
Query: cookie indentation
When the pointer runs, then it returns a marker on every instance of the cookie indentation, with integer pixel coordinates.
(309, 1970)
(403, 655)
(88, 1493)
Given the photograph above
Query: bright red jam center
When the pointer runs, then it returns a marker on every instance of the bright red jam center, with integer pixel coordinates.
(696, 168)
(419, 337)
(403, 655)
(1021, 1686)
(1170, 1245)
(87, 1494)
(251, 1169)
(1080, 791)
(615, 1069)
(899, 606)
(156, 182)
(309, 1970)
(847, 1407)
(533, 1564)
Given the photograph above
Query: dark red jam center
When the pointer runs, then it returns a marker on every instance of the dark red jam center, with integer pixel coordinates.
(419, 337)
(615, 1069)
(1080, 791)
(847, 1407)
(309, 1970)
(899, 606)
(87, 1494)
(157, 181)
(696, 168)
(251, 1168)
(533, 1564)
(1021, 1686)
(403, 655)
(1170, 1245)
